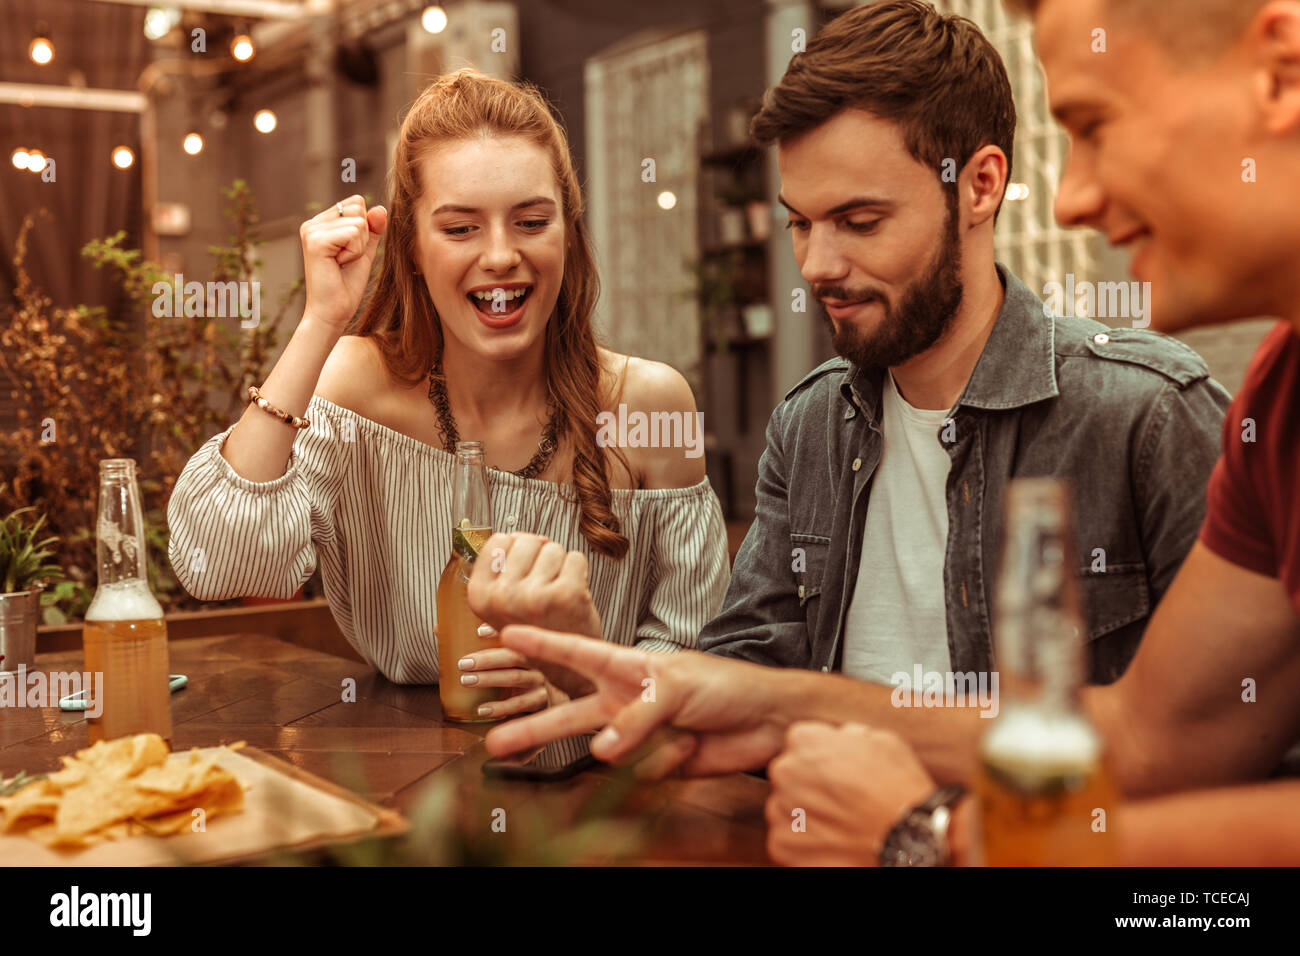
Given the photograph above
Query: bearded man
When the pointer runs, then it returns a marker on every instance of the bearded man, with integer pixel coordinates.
(878, 531)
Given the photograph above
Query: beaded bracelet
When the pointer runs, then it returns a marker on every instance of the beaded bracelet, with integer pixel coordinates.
(279, 413)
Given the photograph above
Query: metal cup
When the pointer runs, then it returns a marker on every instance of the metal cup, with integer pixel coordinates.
(19, 615)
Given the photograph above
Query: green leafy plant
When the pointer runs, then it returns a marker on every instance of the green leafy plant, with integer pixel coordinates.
(21, 779)
(24, 561)
(450, 826)
(90, 383)
(715, 291)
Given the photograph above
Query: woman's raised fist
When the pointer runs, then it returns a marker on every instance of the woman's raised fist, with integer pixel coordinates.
(338, 247)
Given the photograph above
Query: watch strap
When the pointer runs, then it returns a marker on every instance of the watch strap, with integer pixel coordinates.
(932, 818)
(943, 797)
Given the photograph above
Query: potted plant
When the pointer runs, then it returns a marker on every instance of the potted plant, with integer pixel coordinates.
(746, 200)
(25, 570)
(715, 290)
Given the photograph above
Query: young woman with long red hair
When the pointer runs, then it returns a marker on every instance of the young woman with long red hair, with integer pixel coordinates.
(479, 328)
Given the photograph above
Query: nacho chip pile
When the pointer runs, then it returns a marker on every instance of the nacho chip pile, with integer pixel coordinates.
(121, 788)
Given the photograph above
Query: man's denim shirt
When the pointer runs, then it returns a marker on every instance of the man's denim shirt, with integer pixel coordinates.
(1130, 417)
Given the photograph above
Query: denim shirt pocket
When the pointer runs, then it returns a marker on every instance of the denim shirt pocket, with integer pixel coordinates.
(1114, 598)
(808, 562)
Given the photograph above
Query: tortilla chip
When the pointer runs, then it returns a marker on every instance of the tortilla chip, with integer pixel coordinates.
(119, 788)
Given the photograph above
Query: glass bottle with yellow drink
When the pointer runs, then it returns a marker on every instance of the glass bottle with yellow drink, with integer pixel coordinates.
(1044, 787)
(457, 624)
(125, 636)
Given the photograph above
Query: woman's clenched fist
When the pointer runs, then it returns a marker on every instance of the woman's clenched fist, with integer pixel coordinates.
(337, 252)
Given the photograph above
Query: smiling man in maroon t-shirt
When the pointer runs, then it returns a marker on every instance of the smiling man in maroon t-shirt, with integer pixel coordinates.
(1185, 144)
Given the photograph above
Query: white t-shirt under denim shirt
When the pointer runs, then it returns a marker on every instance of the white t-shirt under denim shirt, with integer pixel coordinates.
(897, 618)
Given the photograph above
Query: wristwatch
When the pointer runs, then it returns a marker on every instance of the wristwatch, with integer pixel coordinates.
(920, 838)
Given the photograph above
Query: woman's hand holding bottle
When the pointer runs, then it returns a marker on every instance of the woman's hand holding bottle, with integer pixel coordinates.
(525, 579)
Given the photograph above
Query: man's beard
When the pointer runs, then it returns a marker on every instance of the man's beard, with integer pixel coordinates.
(923, 314)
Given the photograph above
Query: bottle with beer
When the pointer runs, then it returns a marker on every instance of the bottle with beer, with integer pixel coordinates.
(1046, 795)
(457, 624)
(125, 636)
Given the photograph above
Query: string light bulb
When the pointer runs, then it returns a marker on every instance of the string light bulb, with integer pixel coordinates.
(193, 144)
(41, 50)
(19, 158)
(434, 19)
(159, 21)
(264, 121)
(123, 157)
(242, 49)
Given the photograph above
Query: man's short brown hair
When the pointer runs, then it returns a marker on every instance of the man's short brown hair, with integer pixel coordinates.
(936, 76)
(1188, 28)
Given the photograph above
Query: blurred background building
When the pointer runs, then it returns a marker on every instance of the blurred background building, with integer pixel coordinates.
(149, 110)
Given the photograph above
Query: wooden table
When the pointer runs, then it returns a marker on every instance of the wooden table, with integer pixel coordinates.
(393, 747)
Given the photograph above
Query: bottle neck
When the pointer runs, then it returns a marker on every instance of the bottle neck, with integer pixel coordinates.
(470, 500)
(120, 525)
(1047, 681)
(1040, 632)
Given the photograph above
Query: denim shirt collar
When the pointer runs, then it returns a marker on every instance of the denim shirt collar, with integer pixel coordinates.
(1016, 368)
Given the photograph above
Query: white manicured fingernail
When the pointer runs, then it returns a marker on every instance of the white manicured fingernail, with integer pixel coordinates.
(487, 631)
(606, 738)
(466, 663)
(484, 710)
(468, 680)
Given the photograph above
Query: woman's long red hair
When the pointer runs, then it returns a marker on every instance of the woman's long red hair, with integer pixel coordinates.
(400, 315)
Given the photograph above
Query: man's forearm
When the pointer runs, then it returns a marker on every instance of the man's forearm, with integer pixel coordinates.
(1253, 825)
(944, 738)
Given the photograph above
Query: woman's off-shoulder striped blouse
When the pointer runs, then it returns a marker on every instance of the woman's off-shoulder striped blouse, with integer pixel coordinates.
(373, 506)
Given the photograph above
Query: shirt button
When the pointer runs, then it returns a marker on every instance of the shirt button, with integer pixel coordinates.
(1101, 338)
(857, 463)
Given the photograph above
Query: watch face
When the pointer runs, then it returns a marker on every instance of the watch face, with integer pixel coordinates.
(912, 843)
